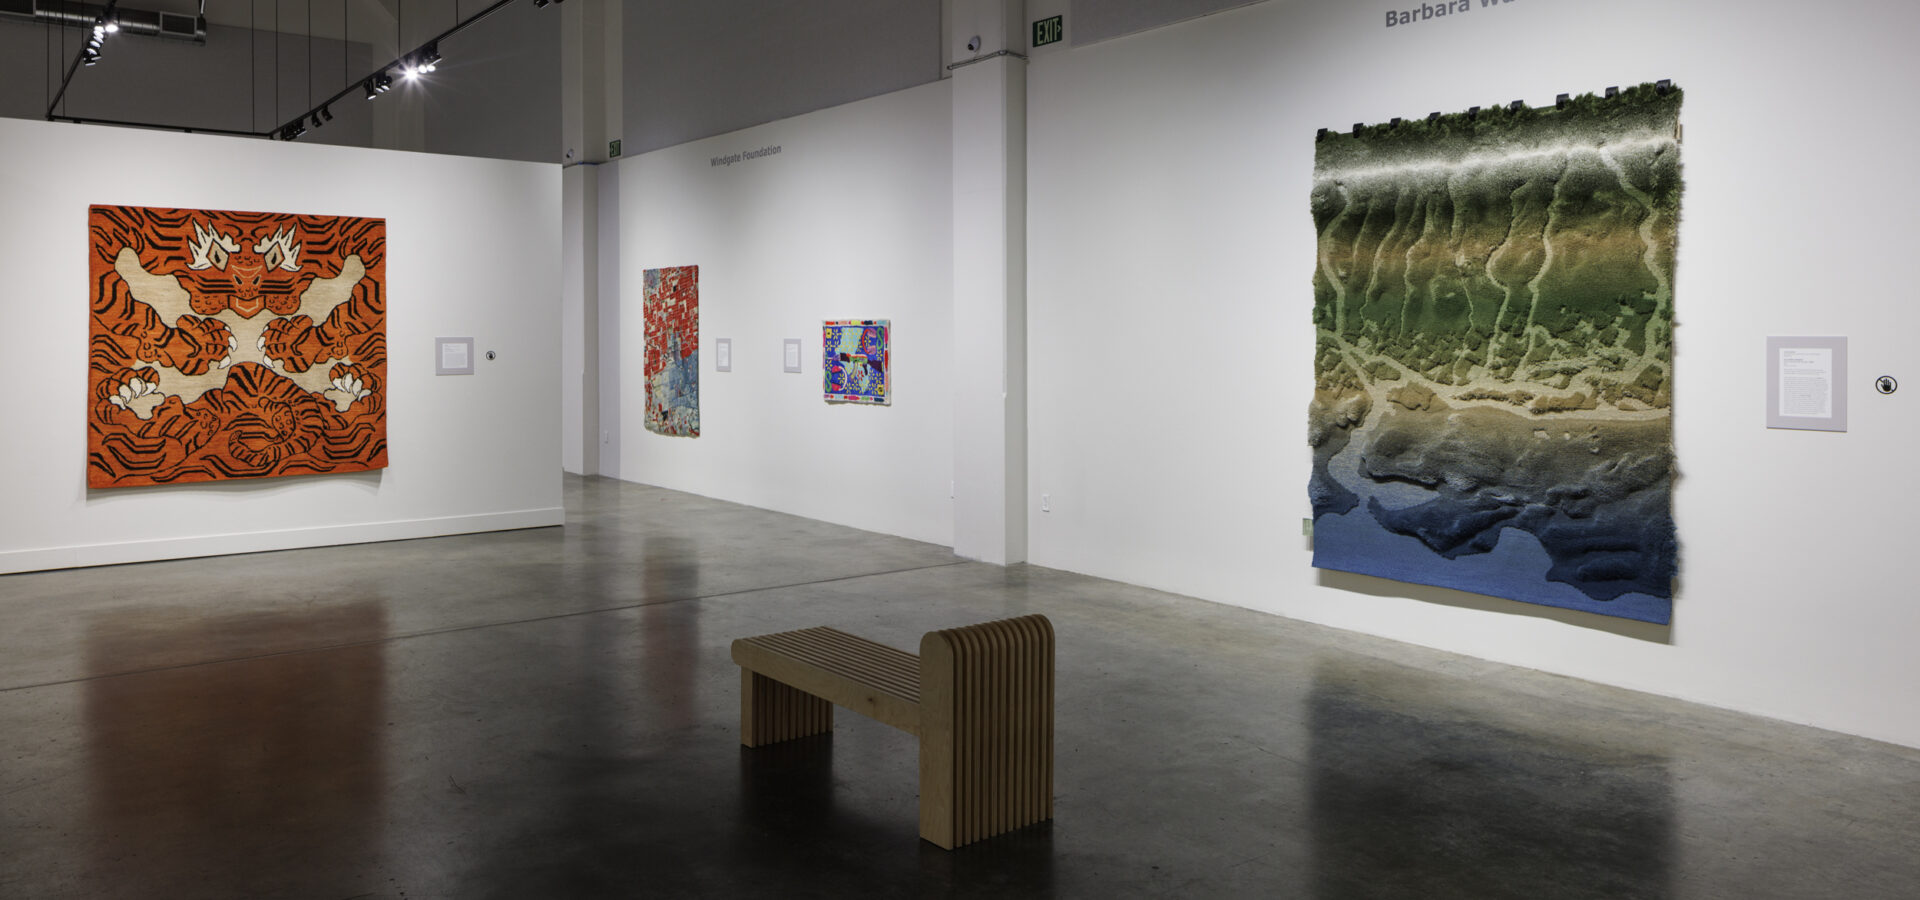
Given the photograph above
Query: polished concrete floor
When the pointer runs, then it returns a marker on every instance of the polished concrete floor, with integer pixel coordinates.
(553, 713)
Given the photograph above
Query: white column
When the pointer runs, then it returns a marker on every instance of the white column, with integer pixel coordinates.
(579, 320)
(590, 54)
(989, 280)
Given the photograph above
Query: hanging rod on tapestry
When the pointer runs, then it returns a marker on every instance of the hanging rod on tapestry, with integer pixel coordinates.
(1560, 101)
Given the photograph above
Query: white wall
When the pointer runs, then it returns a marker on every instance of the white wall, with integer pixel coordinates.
(473, 250)
(1171, 253)
(852, 219)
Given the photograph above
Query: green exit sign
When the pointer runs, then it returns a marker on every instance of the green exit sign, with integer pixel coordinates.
(1048, 31)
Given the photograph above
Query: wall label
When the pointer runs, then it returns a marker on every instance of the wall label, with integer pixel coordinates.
(1807, 383)
(453, 356)
(1427, 11)
(1049, 31)
(744, 156)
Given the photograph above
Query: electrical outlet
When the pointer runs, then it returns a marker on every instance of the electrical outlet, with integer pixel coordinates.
(1046, 503)
(1306, 527)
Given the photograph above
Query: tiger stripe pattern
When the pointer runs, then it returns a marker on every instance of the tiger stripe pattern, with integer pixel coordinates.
(228, 345)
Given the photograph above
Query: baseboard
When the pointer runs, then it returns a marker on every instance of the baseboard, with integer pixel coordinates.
(41, 559)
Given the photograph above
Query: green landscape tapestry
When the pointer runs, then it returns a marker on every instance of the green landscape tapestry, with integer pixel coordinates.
(1493, 393)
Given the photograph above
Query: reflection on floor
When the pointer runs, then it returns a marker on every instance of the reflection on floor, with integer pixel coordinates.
(553, 713)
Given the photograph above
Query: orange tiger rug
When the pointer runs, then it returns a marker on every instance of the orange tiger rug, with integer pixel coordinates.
(234, 345)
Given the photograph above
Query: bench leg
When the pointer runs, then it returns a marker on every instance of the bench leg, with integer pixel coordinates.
(771, 712)
(986, 730)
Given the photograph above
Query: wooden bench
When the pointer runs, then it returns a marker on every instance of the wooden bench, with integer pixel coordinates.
(979, 698)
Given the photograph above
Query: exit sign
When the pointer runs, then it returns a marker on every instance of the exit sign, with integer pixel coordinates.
(1048, 31)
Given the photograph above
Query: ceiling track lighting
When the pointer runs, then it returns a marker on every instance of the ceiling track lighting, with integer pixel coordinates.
(102, 26)
(317, 114)
(424, 58)
(421, 61)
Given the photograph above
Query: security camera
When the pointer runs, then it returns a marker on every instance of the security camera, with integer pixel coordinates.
(973, 44)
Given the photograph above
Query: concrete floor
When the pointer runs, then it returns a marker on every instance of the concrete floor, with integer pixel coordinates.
(553, 713)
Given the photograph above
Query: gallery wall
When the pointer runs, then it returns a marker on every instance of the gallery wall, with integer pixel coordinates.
(851, 218)
(1171, 253)
(467, 453)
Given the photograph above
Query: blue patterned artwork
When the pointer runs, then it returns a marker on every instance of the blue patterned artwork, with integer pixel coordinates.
(857, 361)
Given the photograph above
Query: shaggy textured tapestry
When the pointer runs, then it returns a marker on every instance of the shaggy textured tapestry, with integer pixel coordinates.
(856, 360)
(1493, 377)
(234, 345)
(672, 309)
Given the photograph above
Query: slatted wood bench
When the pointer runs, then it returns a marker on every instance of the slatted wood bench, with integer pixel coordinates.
(979, 698)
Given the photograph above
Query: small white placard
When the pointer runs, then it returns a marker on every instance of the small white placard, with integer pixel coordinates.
(723, 354)
(1807, 383)
(792, 361)
(453, 356)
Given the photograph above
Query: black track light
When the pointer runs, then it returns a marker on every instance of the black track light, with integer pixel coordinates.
(327, 111)
(420, 62)
(316, 120)
(377, 84)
